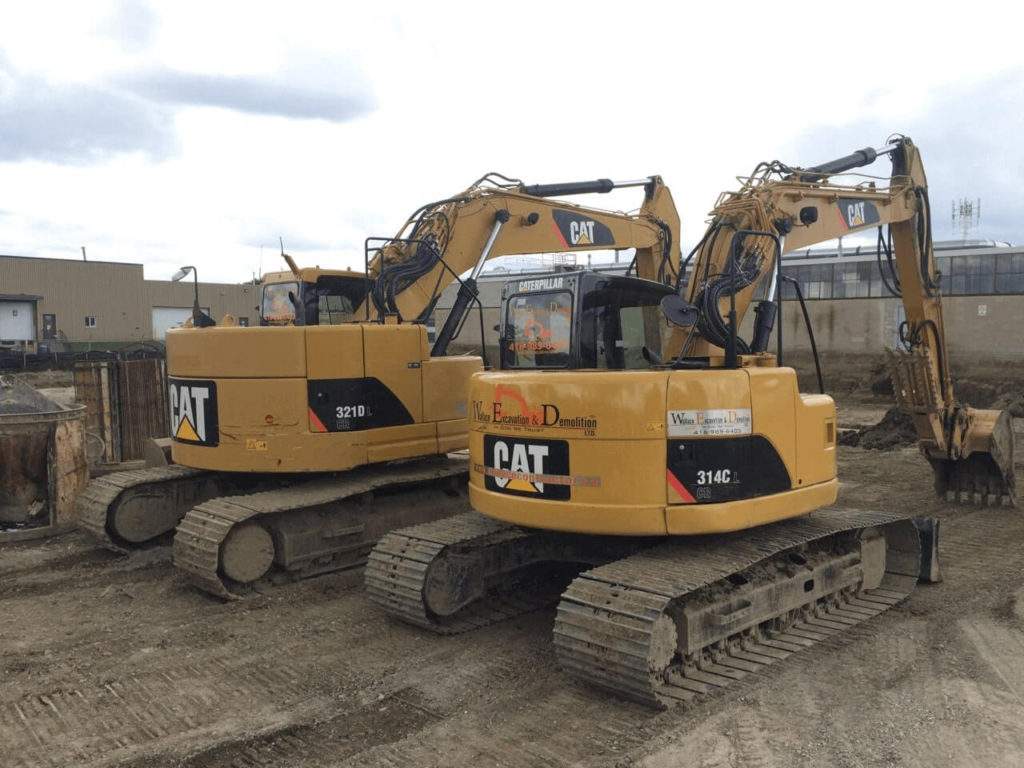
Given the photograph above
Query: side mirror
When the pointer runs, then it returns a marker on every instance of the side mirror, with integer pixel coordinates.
(679, 311)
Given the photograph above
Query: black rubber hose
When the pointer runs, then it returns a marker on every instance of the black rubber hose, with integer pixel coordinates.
(810, 331)
(924, 238)
(893, 288)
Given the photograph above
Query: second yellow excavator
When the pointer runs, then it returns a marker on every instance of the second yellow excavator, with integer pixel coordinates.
(298, 443)
(634, 432)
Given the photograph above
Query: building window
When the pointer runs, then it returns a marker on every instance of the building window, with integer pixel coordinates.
(815, 281)
(852, 281)
(972, 274)
(945, 266)
(90, 321)
(1010, 273)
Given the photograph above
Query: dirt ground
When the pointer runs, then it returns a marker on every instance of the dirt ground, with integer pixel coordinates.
(110, 660)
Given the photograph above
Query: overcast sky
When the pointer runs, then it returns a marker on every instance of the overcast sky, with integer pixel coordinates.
(197, 132)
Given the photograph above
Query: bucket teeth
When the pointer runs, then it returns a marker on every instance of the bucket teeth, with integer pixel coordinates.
(971, 484)
(987, 476)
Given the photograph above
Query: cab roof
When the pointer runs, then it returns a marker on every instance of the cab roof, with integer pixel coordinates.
(310, 275)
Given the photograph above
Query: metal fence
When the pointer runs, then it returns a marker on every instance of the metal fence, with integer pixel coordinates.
(126, 403)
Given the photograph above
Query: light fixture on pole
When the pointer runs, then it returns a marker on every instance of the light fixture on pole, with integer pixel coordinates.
(199, 318)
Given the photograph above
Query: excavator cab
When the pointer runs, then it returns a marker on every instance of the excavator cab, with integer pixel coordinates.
(583, 320)
(312, 297)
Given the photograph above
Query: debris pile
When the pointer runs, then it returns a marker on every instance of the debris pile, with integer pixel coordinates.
(16, 397)
(895, 430)
(1012, 402)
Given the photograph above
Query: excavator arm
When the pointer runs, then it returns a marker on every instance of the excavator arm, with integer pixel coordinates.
(443, 240)
(780, 208)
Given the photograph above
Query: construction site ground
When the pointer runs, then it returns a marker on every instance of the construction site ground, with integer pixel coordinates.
(112, 660)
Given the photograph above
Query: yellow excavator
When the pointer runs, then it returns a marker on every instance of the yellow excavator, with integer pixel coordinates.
(298, 443)
(634, 432)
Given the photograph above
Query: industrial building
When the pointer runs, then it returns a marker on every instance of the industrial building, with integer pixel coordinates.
(92, 304)
(850, 309)
(96, 304)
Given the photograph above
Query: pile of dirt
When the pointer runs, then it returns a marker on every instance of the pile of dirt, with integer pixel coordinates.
(977, 394)
(38, 379)
(16, 397)
(895, 430)
(1012, 402)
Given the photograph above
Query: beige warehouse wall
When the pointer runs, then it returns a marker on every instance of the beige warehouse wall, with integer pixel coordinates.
(116, 294)
(978, 328)
(71, 290)
(220, 298)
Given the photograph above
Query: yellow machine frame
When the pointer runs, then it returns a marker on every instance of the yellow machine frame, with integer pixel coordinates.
(755, 449)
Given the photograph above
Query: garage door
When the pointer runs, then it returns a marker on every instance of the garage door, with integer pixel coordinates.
(17, 321)
(165, 318)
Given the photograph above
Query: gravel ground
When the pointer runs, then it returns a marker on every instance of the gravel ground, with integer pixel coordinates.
(110, 660)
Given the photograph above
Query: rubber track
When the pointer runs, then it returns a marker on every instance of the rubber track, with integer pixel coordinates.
(203, 530)
(604, 627)
(95, 502)
(397, 570)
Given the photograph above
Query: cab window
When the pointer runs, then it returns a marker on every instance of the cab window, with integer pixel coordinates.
(277, 307)
(623, 328)
(538, 330)
(338, 298)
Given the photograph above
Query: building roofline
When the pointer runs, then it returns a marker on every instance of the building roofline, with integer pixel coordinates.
(75, 261)
(243, 284)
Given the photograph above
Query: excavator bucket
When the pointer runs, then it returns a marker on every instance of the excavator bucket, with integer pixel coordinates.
(994, 456)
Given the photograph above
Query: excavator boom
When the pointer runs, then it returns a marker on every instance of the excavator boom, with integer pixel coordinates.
(442, 240)
(780, 208)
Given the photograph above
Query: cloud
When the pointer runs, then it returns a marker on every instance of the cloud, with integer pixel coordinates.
(76, 123)
(132, 24)
(270, 239)
(255, 95)
(83, 123)
(969, 137)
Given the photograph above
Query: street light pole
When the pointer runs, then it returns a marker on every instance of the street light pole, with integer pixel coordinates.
(196, 309)
(199, 320)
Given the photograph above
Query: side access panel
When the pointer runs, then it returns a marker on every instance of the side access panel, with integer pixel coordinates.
(446, 386)
(392, 356)
(236, 352)
(736, 443)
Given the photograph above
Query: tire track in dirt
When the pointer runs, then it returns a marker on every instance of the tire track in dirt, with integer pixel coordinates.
(90, 558)
(332, 738)
(90, 723)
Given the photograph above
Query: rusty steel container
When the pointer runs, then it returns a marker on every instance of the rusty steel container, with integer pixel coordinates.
(42, 462)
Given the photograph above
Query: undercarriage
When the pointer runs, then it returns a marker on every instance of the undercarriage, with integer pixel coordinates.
(654, 621)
